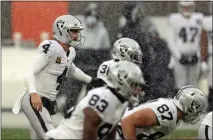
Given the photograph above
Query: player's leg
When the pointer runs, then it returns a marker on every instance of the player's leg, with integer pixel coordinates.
(205, 132)
(41, 122)
(180, 75)
(193, 74)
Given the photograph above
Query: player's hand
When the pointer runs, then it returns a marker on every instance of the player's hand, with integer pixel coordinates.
(36, 101)
(204, 67)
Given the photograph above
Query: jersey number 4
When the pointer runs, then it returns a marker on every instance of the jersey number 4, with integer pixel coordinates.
(46, 48)
(61, 78)
(162, 109)
(183, 34)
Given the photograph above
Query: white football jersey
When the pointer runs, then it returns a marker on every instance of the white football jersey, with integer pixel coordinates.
(208, 119)
(104, 102)
(104, 67)
(166, 113)
(49, 79)
(187, 32)
(207, 26)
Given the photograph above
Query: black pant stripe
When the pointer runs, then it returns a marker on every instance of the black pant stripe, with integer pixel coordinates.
(39, 118)
(207, 132)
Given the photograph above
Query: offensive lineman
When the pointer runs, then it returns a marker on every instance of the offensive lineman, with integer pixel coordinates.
(46, 73)
(205, 130)
(184, 43)
(97, 114)
(157, 118)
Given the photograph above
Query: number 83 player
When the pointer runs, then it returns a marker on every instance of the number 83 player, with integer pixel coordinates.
(97, 114)
(53, 61)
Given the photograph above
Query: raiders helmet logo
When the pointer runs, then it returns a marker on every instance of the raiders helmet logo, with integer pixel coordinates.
(60, 25)
(195, 105)
(123, 49)
(122, 74)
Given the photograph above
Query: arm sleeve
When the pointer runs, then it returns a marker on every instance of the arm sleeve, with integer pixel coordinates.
(43, 54)
(78, 74)
(171, 39)
(39, 62)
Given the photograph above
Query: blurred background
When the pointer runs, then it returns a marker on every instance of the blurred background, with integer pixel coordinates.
(26, 24)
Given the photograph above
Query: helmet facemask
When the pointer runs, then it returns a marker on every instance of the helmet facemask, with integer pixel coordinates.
(75, 38)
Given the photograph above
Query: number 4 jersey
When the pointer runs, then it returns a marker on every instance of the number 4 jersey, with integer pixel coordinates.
(166, 113)
(48, 79)
(104, 102)
(187, 32)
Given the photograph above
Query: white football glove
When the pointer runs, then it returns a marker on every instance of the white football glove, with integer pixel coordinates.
(204, 68)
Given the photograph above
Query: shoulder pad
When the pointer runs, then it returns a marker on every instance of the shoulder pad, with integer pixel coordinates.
(47, 47)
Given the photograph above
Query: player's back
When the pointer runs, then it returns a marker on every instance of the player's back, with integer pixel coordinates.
(208, 119)
(104, 102)
(207, 25)
(104, 67)
(49, 79)
(187, 32)
(166, 113)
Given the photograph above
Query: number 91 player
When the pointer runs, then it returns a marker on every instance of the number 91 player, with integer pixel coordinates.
(97, 114)
(157, 118)
(53, 61)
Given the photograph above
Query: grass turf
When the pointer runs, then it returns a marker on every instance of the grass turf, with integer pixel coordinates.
(24, 134)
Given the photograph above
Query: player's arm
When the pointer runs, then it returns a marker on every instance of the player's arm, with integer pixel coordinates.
(79, 75)
(91, 123)
(141, 118)
(39, 62)
(171, 39)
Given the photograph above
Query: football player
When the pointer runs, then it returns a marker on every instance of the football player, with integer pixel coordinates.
(184, 42)
(45, 75)
(97, 114)
(123, 49)
(157, 118)
(205, 130)
(207, 26)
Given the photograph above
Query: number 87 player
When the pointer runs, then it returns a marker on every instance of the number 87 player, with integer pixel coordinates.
(157, 118)
(53, 61)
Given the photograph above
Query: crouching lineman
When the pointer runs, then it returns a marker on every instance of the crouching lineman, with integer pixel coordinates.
(97, 114)
(157, 118)
(123, 49)
(52, 62)
(205, 130)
